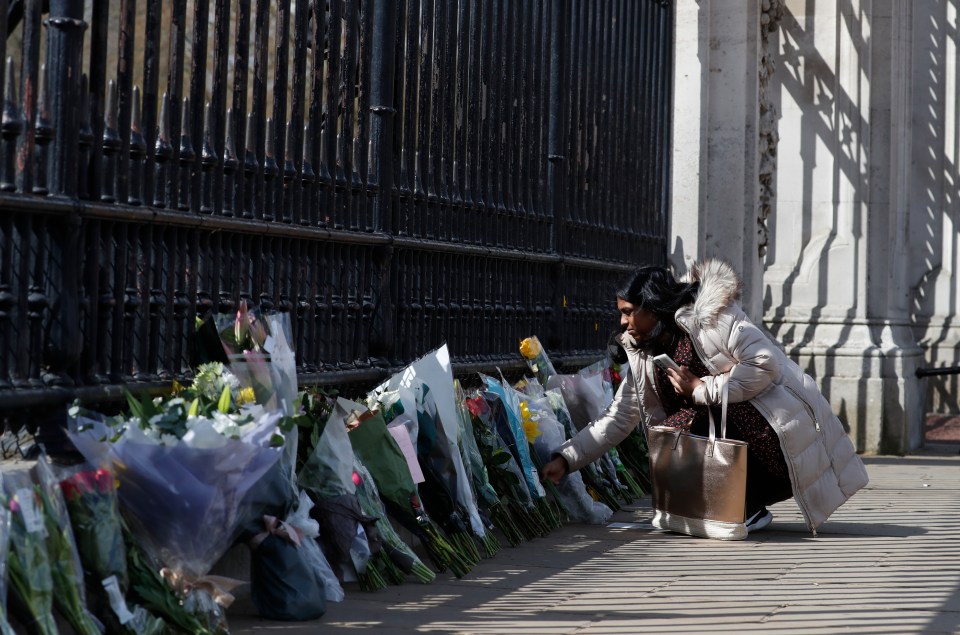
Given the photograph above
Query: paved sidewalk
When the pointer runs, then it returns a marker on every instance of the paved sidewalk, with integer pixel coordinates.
(887, 562)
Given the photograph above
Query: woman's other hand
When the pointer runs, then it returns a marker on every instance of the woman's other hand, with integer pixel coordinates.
(555, 469)
(684, 382)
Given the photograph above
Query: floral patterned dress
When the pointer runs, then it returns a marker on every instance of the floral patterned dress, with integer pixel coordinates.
(768, 480)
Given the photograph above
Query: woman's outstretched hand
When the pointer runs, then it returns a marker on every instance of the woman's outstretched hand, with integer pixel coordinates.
(555, 469)
(684, 382)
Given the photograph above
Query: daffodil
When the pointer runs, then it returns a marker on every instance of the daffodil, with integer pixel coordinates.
(530, 428)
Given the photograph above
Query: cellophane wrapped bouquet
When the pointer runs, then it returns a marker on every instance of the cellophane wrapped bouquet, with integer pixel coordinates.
(5, 628)
(349, 536)
(185, 464)
(69, 594)
(447, 479)
(29, 568)
(90, 495)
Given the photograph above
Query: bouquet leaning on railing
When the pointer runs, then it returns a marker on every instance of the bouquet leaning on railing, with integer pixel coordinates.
(91, 499)
(184, 471)
(31, 579)
(439, 489)
(69, 595)
(492, 511)
(259, 351)
(401, 560)
(5, 628)
(593, 479)
(404, 561)
(380, 453)
(349, 536)
(516, 515)
(572, 491)
(510, 427)
(290, 573)
(430, 378)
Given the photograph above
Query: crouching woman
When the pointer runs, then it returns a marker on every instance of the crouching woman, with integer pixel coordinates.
(796, 446)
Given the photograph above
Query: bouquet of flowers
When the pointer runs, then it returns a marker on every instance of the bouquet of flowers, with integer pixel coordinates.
(432, 375)
(378, 450)
(29, 565)
(346, 532)
(572, 492)
(593, 478)
(518, 518)
(5, 628)
(403, 559)
(91, 501)
(439, 488)
(488, 500)
(65, 568)
(259, 351)
(185, 475)
(511, 430)
(537, 359)
(289, 575)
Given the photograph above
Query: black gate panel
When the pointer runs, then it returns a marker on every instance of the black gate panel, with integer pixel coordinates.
(394, 174)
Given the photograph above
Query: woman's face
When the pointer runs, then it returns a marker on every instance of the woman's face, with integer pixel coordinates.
(639, 323)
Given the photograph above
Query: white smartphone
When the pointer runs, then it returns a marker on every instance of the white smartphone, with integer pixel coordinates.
(664, 362)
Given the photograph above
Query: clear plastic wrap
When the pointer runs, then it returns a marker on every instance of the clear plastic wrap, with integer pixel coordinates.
(434, 371)
(5, 628)
(328, 476)
(31, 579)
(68, 585)
(516, 438)
(577, 501)
(584, 395)
(310, 530)
(183, 498)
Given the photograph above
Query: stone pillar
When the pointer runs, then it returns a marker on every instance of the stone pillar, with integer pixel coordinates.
(836, 289)
(715, 186)
(935, 206)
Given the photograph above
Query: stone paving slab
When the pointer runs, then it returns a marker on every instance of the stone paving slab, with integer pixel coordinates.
(887, 562)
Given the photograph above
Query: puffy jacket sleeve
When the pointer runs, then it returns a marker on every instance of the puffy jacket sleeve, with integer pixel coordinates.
(617, 422)
(754, 357)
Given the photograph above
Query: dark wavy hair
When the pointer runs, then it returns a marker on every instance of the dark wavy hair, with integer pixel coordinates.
(655, 289)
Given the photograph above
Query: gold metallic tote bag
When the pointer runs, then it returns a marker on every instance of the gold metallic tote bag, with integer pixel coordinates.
(699, 483)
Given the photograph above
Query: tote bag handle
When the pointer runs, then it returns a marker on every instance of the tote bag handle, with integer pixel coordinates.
(723, 417)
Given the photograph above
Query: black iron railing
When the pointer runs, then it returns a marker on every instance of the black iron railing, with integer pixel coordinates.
(392, 173)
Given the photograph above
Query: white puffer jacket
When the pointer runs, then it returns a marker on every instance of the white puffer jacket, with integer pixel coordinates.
(825, 470)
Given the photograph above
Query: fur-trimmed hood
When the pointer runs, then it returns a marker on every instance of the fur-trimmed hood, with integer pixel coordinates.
(719, 288)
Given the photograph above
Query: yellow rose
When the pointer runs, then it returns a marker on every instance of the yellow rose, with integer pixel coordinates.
(530, 347)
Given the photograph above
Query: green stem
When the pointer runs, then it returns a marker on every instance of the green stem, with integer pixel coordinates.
(443, 554)
(489, 544)
(463, 543)
(501, 517)
(371, 580)
(624, 474)
(422, 573)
